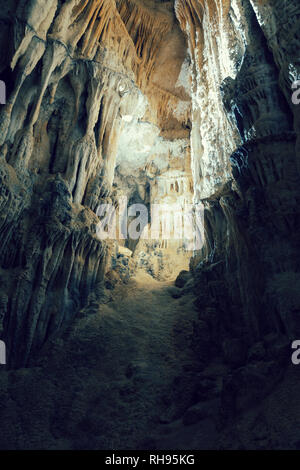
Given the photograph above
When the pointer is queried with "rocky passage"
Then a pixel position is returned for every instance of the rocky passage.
(128, 376)
(109, 384)
(187, 102)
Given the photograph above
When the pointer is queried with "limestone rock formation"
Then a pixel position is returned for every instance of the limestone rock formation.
(82, 82)
(153, 102)
(251, 214)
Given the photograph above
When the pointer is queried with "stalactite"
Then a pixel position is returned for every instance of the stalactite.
(147, 35)
(85, 69)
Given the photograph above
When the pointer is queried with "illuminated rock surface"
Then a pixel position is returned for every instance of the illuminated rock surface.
(168, 102)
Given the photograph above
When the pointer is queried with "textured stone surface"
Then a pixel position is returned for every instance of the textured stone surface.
(252, 212)
(158, 102)
(82, 100)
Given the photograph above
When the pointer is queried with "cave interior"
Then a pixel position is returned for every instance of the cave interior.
(170, 341)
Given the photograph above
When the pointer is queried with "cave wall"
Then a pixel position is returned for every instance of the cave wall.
(102, 96)
(85, 102)
(245, 160)
(113, 98)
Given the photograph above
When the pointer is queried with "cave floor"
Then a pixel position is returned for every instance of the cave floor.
(126, 377)
(143, 342)
(121, 379)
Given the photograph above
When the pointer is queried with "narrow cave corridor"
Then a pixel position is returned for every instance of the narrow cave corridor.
(149, 223)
